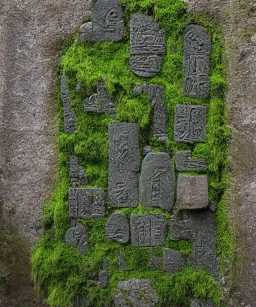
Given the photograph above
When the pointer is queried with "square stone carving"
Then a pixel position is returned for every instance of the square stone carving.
(197, 49)
(157, 181)
(124, 164)
(173, 261)
(148, 230)
(77, 236)
(192, 192)
(185, 162)
(117, 228)
(86, 203)
(181, 229)
(190, 124)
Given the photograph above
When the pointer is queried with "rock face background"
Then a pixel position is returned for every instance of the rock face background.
(30, 42)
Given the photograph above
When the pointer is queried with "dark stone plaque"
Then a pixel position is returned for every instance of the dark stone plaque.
(79, 300)
(155, 263)
(190, 124)
(192, 192)
(77, 236)
(135, 292)
(146, 65)
(196, 303)
(69, 116)
(197, 49)
(86, 203)
(157, 181)
(76, 172)
(173, 261)
(181, 229)
(100, 102)
(148, 230)
(107, 22)
(185, 162)
(124, 164)
(117, 228)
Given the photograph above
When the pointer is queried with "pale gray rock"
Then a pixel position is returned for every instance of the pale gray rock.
(117, 228)
(124, 164)
(77, 236)
(192, 192)
(185, 162)
(173, 261)
(157, 182)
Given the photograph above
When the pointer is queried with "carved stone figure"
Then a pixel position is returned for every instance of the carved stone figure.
(190, 124)
(124, 164)
(185, 162)
(157, 181)
(197, 49)
(173, 261)
(147, 45)
(117, 228)
(69, 116)
(86, 203)
(148, 230)
(192, 192)
(107, 22)
(77, 236)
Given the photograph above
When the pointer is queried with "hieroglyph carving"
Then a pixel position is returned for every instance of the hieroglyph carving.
(173, 261)
(77, 236)
(124, 164)
(117, 228)
(76, 172)
(185, 162)
(180, 229)
(197, 49)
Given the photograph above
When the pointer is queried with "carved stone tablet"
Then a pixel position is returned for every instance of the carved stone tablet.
(86, 203)
(146, 65)
(192, 192)
(148, 230)
(135, 292)
(185, 162)
(124, 163)
(196, 303)
(197, 49)
(181, 230)
(155, 263)
(79, 300)
(117, 228)
(190, 124)
(69, 116)
(157, 181)
(77, 236)
(173, 261)
(76, 172)
(107, 22)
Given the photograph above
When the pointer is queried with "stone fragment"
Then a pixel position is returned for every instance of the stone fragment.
(192, 192)
(69, 116)
(121, 261)
(100, 102)
(86, 203)
(79, 300)
(190, 124)
(173, 261)
(77, 236)
(155, 263)
(197, 49)
(147, 45)
(147, 150)
(117, 228)
(124, 164)
(196, 303)
(136, 293)
(76, 172)
(107, 22)
(148, 230)
(157, 181)
(185, 162)
(181, 229)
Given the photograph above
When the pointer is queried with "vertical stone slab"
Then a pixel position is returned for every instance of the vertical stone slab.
(190, 124)
(77, 236)
(124, 163)
(76, 172)
(117, 228)
(173, 261)
(197, 49)
(185, 162)
(157, 181)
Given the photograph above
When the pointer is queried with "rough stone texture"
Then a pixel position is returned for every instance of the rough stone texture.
(196, 303)
(76, 172)
(124, 164)
(136, 293)
(197, 49)
(79, 300)
(77, 236)
(192, 192)
(180, 229)
(117, 228)
(173, 261)
(185, 162)
(157, 181)
(155, 263)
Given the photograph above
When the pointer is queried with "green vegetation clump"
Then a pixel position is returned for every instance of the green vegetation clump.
(61, 271)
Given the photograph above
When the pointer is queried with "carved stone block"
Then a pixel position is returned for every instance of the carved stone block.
(181, 230)
(148, 230)
(197, 49)
(157, 181)
(76, 172)
(69, 116)
(136, 292)
(196, 303)
(155, 263)
(107, 22)
(117, 228)
(185, 162)
(124, 164)
(146, 65)
(173, 261)
(77, 236)
(190, 124)
(86, 203)
(192, 192)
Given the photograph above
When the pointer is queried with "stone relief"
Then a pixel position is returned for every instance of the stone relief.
(185, 162)
(76, 172)
(77, 236)
(173, 261)
(117, 228)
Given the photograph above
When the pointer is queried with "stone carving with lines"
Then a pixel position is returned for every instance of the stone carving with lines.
(173, 261)
(117, 228)
(185, 162)
(77, 236)
(76, 172)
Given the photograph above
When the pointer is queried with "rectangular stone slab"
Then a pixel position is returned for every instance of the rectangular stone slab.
(185, 162)
(124, 163)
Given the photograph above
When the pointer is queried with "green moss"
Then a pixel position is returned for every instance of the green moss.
(61, 271)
